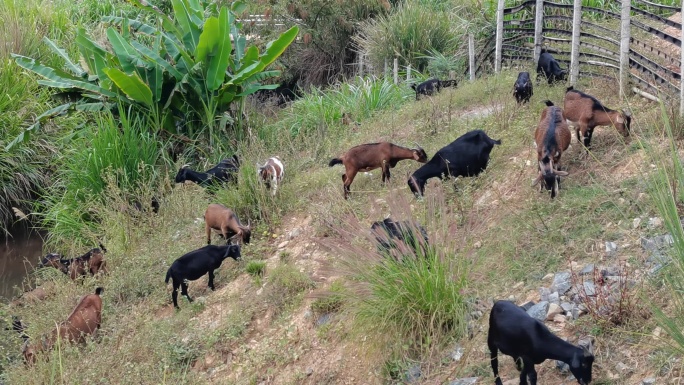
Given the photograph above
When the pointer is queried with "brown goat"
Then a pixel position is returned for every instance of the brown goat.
(84, 320)
(367, 157)
(585, 112)
(223, 219)
(552, 137)
(91, 262)
(30, 297)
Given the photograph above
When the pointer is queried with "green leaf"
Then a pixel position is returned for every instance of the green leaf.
(124, 51)
(190, 31)
(154, 56)
(276, 48)
(75, 68)
(40, 69)
(208, 39)
(131, 85)
(25, 134)
(216, 70)
(238, 7)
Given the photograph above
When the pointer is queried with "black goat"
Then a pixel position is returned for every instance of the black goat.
(530, 342)
(395, 234)
(522, 89)
(225, 171)
(193, 265)
(468, 155)
(428, 87)
(548, 67)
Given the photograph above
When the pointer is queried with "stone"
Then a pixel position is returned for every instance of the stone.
(611, 248)
(622, 368)
(589, 288)
(657, 331)
(552, 311)
(477, 244)
(648, 381)
(464, 381)
(294, 233)
(457, 353)
(413, 373)
(588, 269)
(283, 244)
(324, 319)
(527, 306)
(561, 282)
(636, 222)
(554, 298)
(567, 306)
(654, 223)
(562, 367)
(539, 310)
(559, 318)
(658, 242)
(544, 294)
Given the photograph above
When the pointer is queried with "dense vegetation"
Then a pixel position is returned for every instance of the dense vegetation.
(114, 143)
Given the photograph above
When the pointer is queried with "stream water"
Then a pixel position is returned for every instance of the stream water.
(18, 254)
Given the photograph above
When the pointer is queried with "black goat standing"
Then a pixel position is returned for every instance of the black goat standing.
(548, 67)
(530, 342)
(195, 264)
(522, 89)
(428, 87)
(225, 171)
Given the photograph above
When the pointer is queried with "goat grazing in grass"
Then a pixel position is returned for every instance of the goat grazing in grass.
(585, 112)
(548, 67)
(84, 320)
(367, 157)
(272, 171)
(225, 171)
(522, 89)
(399, 235)
(529, 342)
(91, 262)
(195, 264)
(223, 219)
(427, 88)
(468, 155)
(552, 137)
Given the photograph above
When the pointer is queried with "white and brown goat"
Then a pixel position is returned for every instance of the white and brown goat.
(271, 172)
(223, 219)
(585, 112)
(552, 137)
(367, 157)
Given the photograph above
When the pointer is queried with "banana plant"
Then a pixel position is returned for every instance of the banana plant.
(189, 68)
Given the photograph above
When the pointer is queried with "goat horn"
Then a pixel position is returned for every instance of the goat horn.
(537, 180)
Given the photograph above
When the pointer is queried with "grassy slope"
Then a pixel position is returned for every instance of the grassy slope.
(262, 329)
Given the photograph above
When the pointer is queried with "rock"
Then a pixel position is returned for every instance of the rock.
(294, 233)
(324, 319)
(413, 373)
(589, 288)
(283, 244)
(648, 381)
(588, 269)
(552, 311)
(561, 282)
(309, 371)
(562, 367)
(464, 381)
(559, 318)
(554, 298)
(544, 294)
(636, 222)
(477, 244)
(657, 331)
(477, 314)
(655, 243)
(654, 223)
(457, 353)
(527, 305)
(622, 368)
(539, 310)
(567, 306)
(611, 248)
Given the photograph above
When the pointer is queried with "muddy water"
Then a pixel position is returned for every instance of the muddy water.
(18, 254)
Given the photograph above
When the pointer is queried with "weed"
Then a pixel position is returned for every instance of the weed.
(256, 268)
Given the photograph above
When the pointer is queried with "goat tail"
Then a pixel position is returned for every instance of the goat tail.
(168, 276)
(99, 291)
(334, 161)
(569, 88)
(548, 103)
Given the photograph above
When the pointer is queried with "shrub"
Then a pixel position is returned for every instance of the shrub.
(256, 268)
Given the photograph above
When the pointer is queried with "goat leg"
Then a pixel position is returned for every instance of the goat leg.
(494, 351)
(184, 290)
(211, 280)
(528, 366)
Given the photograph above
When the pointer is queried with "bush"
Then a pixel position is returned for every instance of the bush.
(256, 268)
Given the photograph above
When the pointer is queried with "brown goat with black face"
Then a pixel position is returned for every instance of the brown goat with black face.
(552, 137)
(585, 112)
(84, 320)
(367, 157)
(223, 219)
(91, 262)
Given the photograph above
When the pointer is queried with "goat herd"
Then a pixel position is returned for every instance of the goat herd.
(511, 330)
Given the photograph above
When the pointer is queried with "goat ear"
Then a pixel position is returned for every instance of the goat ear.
(562, 173)
(185, 165)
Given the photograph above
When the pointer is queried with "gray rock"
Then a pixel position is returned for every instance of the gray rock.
(648, 381)
(656, 243)
(457, 353)
(464, 381)
(561, 282)
(527, 305)
(562, 367)
(294, 233)
(654, 223)
(589, 288)
(554, 298)
(413, 373)
(309, 371)
(477, 314)
(588, 269)
(324, 319)
(539, 310)
(611, 248)
(567, 306)
(544, 294)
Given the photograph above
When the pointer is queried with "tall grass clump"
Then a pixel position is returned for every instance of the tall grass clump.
(121, 147)
(667, 190)
(411, 302)
(408, 33)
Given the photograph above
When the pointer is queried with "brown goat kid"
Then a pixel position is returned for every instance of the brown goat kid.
(585, 112)
(223, 219)
(552, 137)
(84, 320)
(367, 157)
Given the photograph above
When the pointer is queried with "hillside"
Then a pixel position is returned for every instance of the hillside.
(291, 325)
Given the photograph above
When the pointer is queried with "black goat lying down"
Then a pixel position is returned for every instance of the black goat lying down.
(225, 171)
(193, 265)
(529, 342)
(399, 235)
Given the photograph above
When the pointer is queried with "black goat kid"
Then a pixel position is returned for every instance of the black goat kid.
(195, 264)
(526, 339)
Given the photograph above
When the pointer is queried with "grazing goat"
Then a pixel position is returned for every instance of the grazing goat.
(522, 89)
(548, 67)
(399, 235)
(428, 87)
(30, 297)
(552, 137)
(529, 342)
(195, 264)
(84, 320)
(468, 155)
(92, 261)
(585, 112)
(55, 260)
(272, 171)
(367, 157)
(223, 219)
(225, 171)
